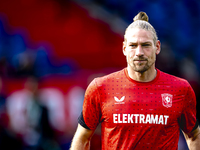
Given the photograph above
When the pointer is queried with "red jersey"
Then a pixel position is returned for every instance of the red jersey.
(140, 115)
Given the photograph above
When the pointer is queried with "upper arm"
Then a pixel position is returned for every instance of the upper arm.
(92, 106)
(83, 133)
(81, 138)
(187, 120)
(193, 139)
(193, 134)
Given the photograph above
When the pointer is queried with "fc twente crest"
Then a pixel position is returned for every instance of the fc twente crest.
(167, 100)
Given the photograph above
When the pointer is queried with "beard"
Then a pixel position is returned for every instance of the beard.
(142, 66)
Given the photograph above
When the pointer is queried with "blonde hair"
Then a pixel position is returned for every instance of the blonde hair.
(141, 21)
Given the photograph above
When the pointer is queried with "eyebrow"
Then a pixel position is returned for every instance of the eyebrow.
(148, 42)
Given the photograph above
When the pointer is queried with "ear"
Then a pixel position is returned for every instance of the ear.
(124, 48)
(158, 47)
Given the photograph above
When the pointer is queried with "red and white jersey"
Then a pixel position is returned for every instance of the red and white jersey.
(140, 115)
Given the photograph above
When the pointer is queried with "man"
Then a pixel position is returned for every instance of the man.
(139, 107)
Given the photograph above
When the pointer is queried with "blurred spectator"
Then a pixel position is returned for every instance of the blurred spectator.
(8, 140)
(29, 118)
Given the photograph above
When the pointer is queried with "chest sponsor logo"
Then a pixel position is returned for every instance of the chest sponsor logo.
(119, 101)
(167, 100)
(140, 118)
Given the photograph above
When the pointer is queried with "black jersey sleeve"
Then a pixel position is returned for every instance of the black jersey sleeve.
(82, 122)
(196, 125)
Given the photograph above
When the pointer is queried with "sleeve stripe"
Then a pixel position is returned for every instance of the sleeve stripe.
(82, 122)
(196, 125)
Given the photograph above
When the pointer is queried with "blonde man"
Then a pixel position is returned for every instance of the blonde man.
(139, 107)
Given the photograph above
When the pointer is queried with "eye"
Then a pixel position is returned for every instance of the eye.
(146, 44)
(133, 45)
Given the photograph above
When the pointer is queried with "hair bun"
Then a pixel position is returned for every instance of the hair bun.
(141, 16)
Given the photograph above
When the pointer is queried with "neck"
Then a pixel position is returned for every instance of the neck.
(146, 76)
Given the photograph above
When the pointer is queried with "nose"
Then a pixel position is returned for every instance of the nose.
(139, 51)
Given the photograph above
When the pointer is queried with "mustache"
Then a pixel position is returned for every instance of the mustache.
(140, 59)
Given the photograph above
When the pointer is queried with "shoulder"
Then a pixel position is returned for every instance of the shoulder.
(105, 81)
(112, 77)
(171, 79)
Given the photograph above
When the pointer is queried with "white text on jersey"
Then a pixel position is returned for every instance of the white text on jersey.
(140, 118)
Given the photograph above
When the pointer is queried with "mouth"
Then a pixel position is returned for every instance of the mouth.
(142, 59)
(139, 61)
